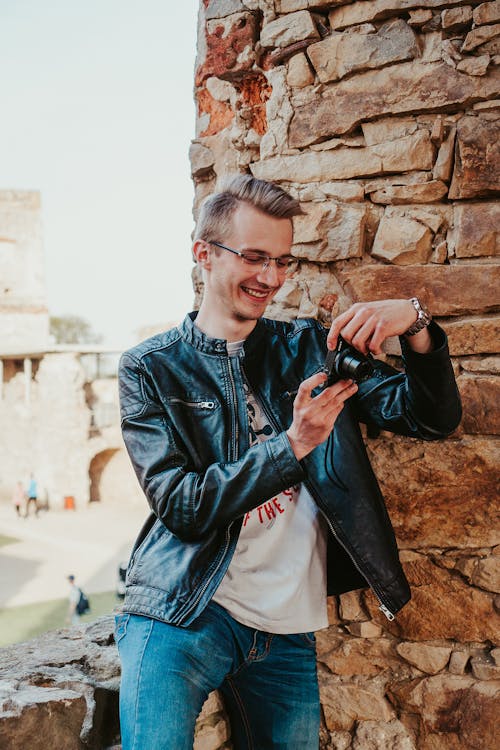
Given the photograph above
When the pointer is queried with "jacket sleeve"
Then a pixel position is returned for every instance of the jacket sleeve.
(422, 402)
(193, 504)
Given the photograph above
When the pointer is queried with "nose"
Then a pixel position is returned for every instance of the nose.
(270, 274)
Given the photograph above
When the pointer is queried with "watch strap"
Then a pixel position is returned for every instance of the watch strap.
(423, 318)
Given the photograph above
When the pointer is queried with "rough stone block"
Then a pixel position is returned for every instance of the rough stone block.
(487, 13)
(229, 47)
(366, 629)
(201, 158)
(346, 233)
(477, 158)
(486, 574)
(429, 659)
(481, 404)
(413, 152)
(214, 115)
(290, 6)
(397, 89)
(449, 290)
(489, 365)
(479, 36)
(350, 607)
(403, 241)
(351, 657)
(473, 335)
(441, 607)
(453, 19)
(474, 66)
(426, 192)
(377, 735)
(444, 161)
(476, 229)
(288, 29)
(299, 72)
(455, 712)
(345, 704)
(455, 473)
(42, 717)
(458, 662)
(375, 10)
(419, 17)
(388, 129)
(341, 54)
(484, 668)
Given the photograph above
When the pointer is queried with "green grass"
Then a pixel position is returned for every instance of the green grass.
(5, 540)
(22, 623)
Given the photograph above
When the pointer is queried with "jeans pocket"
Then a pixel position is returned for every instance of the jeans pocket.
(121, 622)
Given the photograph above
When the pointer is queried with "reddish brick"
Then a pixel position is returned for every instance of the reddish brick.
(220, 113)
(255, 91)
(224, 47)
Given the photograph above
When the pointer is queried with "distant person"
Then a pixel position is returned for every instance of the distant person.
(18, 497)
(78, 602)
(32, 496)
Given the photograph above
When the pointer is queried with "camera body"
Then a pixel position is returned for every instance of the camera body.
(347, 363)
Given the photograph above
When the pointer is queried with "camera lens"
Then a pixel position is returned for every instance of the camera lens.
(348, 365)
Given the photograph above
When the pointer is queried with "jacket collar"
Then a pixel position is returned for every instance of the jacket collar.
(199, 340)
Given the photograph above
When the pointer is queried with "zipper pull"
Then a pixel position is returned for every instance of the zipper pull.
(386, 612)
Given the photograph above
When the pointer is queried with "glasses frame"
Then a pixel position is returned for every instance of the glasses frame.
(266, 259)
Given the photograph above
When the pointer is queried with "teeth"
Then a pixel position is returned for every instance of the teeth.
(252, 293)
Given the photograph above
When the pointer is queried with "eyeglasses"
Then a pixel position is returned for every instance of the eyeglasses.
(284, 263)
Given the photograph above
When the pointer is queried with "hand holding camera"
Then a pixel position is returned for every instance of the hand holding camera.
(366, 325)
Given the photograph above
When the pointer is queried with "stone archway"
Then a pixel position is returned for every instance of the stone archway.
(97, 468)
(112, 479)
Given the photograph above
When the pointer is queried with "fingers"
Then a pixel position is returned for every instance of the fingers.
(366, 325)
(308, 385)
(339, 391)
(337, 326)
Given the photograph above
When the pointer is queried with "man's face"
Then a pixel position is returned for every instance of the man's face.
(231, 285)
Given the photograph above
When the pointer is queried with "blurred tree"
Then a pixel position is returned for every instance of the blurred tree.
(71, 329)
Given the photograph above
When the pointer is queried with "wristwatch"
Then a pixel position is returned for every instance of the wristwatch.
(423, 318)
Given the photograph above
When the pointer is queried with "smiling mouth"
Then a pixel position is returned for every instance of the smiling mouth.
(258, 295)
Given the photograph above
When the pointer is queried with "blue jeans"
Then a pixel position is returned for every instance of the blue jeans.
(268, 683)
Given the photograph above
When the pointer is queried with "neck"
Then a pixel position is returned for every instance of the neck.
(222, 327)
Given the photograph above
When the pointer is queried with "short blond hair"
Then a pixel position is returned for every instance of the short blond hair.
(216, 212)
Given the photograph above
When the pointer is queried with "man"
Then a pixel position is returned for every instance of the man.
(73, 616)
(32, 496)
(262, 496)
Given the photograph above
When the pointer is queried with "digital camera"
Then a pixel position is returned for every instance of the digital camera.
(347, 363)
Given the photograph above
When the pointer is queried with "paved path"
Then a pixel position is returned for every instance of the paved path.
(89, 542)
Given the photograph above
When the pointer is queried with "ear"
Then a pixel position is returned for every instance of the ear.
(201, 253)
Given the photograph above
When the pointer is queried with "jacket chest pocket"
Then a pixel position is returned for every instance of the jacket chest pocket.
(198, 422)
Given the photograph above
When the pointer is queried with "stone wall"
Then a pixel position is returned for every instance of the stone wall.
(382, 117)
(60, 691)
(23, 304)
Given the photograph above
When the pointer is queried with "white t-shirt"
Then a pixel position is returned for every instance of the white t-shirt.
(276, 581)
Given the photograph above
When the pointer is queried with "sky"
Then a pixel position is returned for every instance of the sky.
(98, 114)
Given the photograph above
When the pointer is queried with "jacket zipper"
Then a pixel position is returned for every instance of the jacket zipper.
(382, 607)
(375, 588)
(234, 415)
(233, 454)
(199, 404)
(209, 580)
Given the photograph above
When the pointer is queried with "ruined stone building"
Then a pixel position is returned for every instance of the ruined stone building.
(58, 404)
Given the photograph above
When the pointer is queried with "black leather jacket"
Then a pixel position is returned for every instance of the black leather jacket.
(184, 422)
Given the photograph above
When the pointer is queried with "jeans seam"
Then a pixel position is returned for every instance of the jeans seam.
(138, 687)
(241, 707)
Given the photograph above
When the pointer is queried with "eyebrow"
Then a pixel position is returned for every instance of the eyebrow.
(263, 252)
